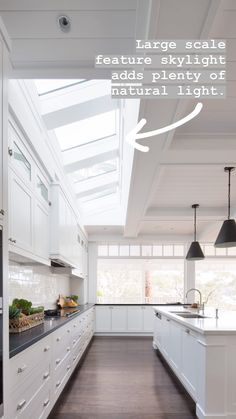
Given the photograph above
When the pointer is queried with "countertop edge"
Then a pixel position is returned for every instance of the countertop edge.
(185, 322)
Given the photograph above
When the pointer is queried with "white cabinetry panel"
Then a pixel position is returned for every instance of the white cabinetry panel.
(21, 214)
(118, 319)
(124, 319)
(135, 319)
(41, 237)
(103, 319)
(148, 319)
(189, 360)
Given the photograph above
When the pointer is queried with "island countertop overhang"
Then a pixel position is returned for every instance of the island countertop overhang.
(208, 325)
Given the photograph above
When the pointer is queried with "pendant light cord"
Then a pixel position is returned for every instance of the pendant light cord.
(195, 224)
(229, 196)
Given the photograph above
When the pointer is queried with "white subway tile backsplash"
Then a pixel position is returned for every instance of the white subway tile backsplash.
(37, 283)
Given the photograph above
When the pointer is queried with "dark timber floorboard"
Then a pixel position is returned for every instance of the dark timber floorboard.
(123, 378)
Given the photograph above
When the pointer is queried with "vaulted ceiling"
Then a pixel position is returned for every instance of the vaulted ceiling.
(184, 166)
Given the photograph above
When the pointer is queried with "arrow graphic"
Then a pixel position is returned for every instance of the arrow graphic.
(133, 135)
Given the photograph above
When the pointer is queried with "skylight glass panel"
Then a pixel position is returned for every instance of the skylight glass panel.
(48, 86)
(98, 169)
(100, 194)
(86, 130)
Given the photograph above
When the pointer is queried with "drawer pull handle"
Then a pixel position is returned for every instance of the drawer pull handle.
(59, 338)
(168, 320)
(187, 331)
(21, 404)
(74, 358)
(58, 361)
(68, 368)
(46, 402)
(58, 383)
(68, 330)
(21, 369)
(75, 325)
(46, 349)
(46, 375)
(68, 349)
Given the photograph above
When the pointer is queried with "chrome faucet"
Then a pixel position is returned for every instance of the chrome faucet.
(200, 294)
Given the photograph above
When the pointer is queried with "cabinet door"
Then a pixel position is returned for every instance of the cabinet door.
(21, 223)
(189, 360)
(41, 231)
(158, 330)
(135, 319)
(119, 319)
(148, 319)
(175, 349)
(166, 336)
(103, 319)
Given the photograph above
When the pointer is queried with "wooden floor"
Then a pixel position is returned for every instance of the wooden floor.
(123, 378)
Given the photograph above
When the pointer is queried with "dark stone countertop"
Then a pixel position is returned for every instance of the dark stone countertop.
(149, 304)
(20, 341)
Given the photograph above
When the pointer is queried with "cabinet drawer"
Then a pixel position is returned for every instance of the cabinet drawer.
(27, 364)
(61, 374)
(37, 407)
(22, 396)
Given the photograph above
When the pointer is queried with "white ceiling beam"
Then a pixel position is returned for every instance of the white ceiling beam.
(146, 168)
(198, 157)
(80, 111)
(163, 214)
(81, 164)
(95, 190)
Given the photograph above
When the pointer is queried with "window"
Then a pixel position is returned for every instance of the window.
(217, 278)
(139, 281)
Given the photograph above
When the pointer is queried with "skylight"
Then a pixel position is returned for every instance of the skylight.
(86, 130)
(93, 171)
(86, 123)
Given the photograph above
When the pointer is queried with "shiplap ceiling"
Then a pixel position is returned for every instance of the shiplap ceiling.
(184, 166)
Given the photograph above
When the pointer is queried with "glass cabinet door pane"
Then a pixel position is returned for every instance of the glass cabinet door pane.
(43, 190)
(21, 161)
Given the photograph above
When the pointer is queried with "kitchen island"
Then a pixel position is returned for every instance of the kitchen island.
(201, 350)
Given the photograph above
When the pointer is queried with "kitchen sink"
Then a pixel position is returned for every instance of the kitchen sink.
(190, 315)
(181, 312)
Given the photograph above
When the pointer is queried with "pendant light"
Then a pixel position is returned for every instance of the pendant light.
(227, 234)
(195, 252)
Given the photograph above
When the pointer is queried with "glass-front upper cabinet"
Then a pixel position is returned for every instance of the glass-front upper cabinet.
(42, 189)
(21, 162)
(20, 159)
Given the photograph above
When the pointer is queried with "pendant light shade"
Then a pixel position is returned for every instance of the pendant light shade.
(227, 233)
(195, 252)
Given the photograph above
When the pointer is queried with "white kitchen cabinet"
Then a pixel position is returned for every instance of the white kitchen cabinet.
(124, 319)
(118, 319)
(135, 319)
(28, 203)
(189, 360)
(38, 374)
(21, 215)
(166, 336)
(103, 319)
(175, 347)
(148, 319)
(157, 337)
(65, 240)
(41, 230)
